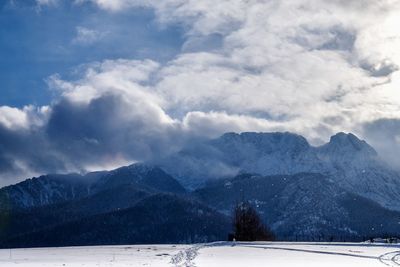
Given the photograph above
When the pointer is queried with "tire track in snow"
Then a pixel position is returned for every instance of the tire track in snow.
(390, 258)
(311, 251)
(185, 258)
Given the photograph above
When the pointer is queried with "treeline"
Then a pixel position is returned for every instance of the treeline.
(248, 226)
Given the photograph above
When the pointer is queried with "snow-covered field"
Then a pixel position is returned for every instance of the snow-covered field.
(269, 254)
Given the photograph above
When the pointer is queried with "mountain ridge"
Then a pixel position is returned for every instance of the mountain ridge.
(351, 162)
(301, 191)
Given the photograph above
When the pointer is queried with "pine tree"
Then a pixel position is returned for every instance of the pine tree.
(248, 225)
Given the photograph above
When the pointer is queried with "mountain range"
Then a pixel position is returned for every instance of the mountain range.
(337, 191)
(350, 162)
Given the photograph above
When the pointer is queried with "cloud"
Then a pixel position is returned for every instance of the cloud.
(41, 3)
(22, 119)
(85, 36)
(314, 68)
(26, 152)
(106, 118)
(281, 60)
(13, 117)
(384, 135)
(47, 2)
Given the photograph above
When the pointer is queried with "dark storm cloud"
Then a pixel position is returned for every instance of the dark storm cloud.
(77, 137)
(26, 151)
(107, 126)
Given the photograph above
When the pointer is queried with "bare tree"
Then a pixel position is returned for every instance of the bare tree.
(248, 225)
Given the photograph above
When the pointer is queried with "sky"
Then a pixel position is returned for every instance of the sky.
(96, 84)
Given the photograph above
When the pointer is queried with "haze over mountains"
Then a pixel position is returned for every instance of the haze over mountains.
(347, 160)
(301, 191)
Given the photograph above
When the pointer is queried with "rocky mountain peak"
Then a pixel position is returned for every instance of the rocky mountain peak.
(348, 143)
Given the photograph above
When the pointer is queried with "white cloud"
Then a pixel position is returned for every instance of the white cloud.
(214, 124)
(13, 117)
(302, 62)
(23, 119)
(86, 36)
(312, 67)
(47, 2)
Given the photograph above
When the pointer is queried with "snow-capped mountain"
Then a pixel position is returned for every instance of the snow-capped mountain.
(347, 160)
(338, 189)
(147, 176)
(45, 190)
(54, 189)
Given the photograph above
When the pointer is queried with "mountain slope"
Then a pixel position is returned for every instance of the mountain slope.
(45, 190)
(302, 206)
(55, 189)
(142, 175)
(161, 218)
(111, 191)
(35, 219)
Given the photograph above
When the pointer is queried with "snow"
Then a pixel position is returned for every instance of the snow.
(291, 254)
(350, 162)
(121, 256)
(272, 254)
